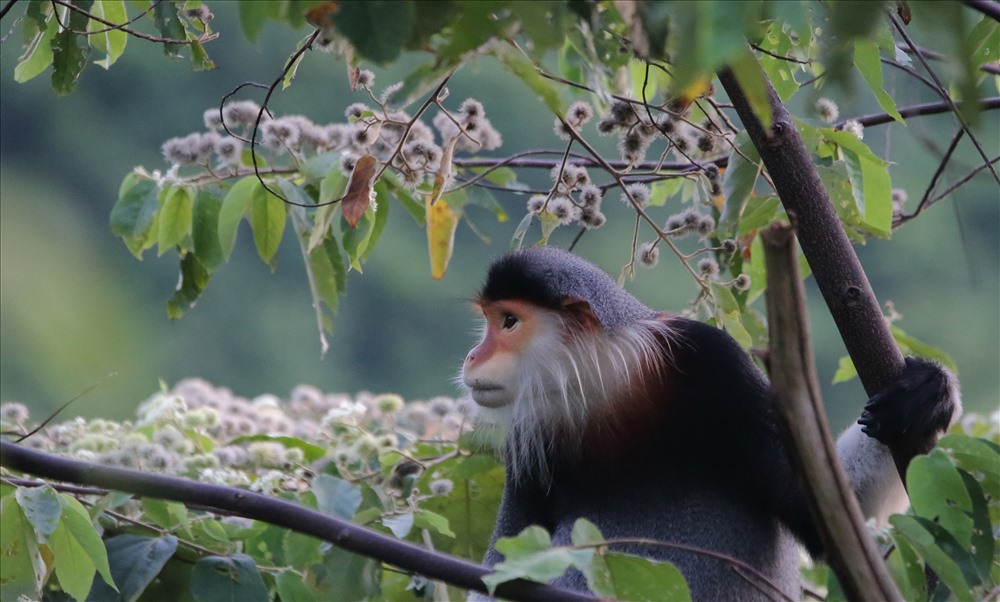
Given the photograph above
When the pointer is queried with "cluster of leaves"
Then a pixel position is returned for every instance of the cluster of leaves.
(404, 469)
(63, 33)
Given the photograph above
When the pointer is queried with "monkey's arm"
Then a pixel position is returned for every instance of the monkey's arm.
(903, 421)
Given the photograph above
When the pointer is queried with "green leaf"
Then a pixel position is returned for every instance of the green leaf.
(329, 274)
(532, 539)
(169, 515)
(205, 229)
(77, 550)
(845, 370)
(738, 182)
(227, 579)
(175, 217)
(976, 456)
(253, 15)
(136, 208)
(200, 60)
(194, 278)
(525, 70)
(42, 508)
(69, 52)
(415, 207)
(625, 577)
(23, 570)
(868, 62)
(310, 451)
(292, 70)
(378, 29)
(38, 54)
(703, 37)
(302, 550)
(110, 41)
(937, 492)
(953, 563)
(522, 229)
(585, 533)
(80, 527)
(912, 346)
(235, 207)
(530, 556)
(336, 497)
(135, 562)
(291, 587)
(399, 524)
(781, 72)
(267, 218)
(170, 26)
(750, 77)
(759, 212)
(425, 519)
(984, 39)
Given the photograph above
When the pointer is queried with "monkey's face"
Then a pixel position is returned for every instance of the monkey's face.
(492, 369)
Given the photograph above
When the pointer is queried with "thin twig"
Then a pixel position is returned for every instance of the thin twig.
(944, 93)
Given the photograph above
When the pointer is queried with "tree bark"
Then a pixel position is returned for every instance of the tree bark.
(834, 264)
(849, 549)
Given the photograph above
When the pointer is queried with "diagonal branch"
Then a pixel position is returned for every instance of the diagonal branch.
(343, 534)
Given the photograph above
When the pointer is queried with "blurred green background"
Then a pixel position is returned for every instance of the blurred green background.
(75, 306)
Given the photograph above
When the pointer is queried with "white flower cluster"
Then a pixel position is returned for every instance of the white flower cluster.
(209, 433)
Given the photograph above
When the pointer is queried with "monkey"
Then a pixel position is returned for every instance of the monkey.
(655, 426)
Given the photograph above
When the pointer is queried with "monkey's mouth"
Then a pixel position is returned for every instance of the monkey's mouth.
(488, 395)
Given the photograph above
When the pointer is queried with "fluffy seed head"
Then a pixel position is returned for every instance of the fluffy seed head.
(827, 110)
(742, 282)
(648, 254)
(708, 267)
(640, 193)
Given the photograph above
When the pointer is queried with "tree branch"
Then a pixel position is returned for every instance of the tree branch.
(850, 551)
(838, 272)
(340, 533)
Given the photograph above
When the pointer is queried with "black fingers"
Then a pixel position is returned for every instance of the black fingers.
(911, 412)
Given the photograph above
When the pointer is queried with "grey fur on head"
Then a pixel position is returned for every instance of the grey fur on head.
(548, 276)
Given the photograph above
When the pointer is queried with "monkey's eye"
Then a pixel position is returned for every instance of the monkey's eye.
(509, 321)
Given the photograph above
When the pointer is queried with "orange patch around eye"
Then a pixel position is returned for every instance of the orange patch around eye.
(510, 340)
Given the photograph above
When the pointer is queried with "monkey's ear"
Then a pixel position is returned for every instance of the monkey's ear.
(580, 311)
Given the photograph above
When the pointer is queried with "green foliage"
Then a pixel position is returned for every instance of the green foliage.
(395, 467)
(648, 69)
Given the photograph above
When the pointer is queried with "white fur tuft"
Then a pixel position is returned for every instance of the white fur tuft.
(561, 384)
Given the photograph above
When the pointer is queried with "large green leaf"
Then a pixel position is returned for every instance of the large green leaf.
(267, 218)
(42, 508)
(227, 579)
(234, 208)
(77, 550)
(194, 278)
(625, 577)
(869, 63)
(378, 29)
(110, 41)
(135, 562)
(525, 70)
(23, 570)
(38, 55)
(205, 229)
(176, 213)
(169, 25)
(70, 51)
(336, 497)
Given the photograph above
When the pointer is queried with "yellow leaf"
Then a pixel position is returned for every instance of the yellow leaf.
(442, 221)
